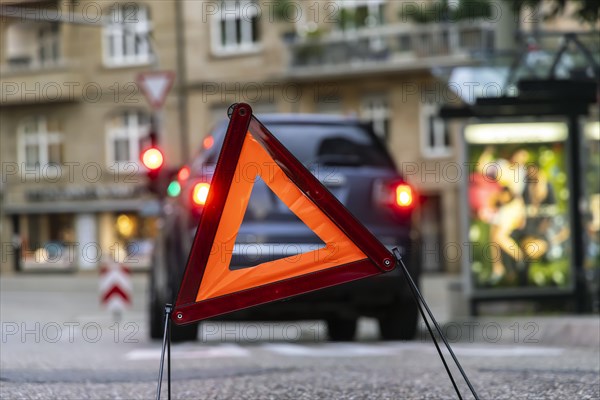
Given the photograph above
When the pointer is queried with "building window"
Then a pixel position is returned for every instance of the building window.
(375, 109)
(127, 36)
(39, 143)
(235, 28)
(357, 14)
(435, 136)
(125, 131)
(48, 44)
(33, 45)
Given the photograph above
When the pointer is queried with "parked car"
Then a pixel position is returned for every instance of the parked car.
(355, 166)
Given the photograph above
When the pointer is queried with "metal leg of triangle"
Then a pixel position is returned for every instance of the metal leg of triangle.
(421, 303)
(166, 344)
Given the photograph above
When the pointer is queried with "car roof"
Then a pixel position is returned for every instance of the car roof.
(280, 118)
(307, 118)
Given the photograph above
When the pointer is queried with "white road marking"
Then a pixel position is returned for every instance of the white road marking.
(479, 349)
(507, 351)
(200, 351)
(190, 352)
(396, 348)
(327, 350)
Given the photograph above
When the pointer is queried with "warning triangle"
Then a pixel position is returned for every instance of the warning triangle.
(210, 287)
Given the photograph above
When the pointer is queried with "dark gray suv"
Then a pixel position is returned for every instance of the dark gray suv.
(354, 165)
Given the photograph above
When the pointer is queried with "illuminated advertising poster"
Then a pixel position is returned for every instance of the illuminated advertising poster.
(591, 212)
(518, 224)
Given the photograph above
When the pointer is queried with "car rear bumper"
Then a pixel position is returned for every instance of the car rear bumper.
(250, 254)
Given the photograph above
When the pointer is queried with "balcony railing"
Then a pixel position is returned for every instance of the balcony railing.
(24, 66)
(35, 83)
(389, 46)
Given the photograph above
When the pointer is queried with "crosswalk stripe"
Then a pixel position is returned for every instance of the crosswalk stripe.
(506, 351)
(326, 350)
(190, 352)
(224, 350)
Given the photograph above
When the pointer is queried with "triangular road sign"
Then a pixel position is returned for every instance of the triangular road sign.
(155, 85)
(211, 288)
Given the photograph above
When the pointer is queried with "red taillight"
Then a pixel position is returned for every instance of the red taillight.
(200, 193)
(404, 195)
(152, 158)
(208, 142)
(395, 194)
(183, 174)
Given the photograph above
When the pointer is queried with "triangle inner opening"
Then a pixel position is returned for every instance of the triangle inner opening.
(270, 231)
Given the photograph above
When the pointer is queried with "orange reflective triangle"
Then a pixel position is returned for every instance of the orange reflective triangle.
(219, 280)
(210, 287)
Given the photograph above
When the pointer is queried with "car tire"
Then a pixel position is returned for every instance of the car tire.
(400, 321)
(156, 309)
(185, 333)
(156, 318)
(341, 329)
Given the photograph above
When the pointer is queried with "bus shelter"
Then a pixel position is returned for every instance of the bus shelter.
(531, 209)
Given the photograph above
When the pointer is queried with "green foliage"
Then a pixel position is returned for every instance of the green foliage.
(585, 10)
(345, 16)
(441, 11)
(472, 9)
(280, 10)
(312, 48)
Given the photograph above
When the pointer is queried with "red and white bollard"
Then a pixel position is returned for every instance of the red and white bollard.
(115, 287)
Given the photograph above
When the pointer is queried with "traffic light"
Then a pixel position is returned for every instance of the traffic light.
(174, 188)
(153, 160)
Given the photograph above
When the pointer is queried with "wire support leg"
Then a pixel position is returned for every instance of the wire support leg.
(422, 303)
(165, 344)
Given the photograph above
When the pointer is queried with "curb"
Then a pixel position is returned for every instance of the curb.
(567, 331)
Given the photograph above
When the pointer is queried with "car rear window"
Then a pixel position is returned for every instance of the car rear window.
(328, 144)
(331, 144)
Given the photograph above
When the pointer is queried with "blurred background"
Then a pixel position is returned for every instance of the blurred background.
(445, 84)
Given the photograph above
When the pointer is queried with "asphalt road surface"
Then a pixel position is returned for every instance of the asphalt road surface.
(57, 343)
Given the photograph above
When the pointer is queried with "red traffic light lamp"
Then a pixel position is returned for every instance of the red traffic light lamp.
(153, 159)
